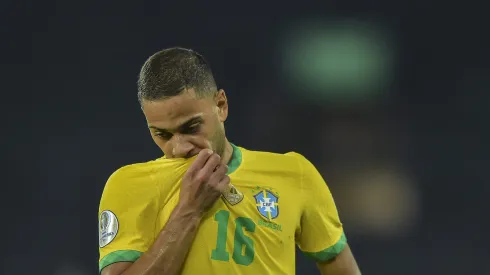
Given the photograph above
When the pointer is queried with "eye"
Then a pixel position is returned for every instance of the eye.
(166, 136)
(194, 128)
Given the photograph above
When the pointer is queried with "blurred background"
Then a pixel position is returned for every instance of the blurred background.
(388, 99)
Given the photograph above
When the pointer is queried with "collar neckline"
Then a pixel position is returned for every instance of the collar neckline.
(236, 159)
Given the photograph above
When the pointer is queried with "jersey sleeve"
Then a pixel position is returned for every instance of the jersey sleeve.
(321, 235)
(127, 214)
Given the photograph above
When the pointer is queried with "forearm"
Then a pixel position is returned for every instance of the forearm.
(169, 251)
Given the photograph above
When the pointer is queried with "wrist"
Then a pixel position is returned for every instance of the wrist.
(188, 212)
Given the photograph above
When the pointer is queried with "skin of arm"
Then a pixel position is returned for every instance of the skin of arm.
(343, 264)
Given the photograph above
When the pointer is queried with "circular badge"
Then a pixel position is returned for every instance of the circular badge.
(108, 227)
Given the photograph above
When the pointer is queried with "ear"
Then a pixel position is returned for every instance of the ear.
(222, 105)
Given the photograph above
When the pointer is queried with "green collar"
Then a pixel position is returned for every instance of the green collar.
(236, 159)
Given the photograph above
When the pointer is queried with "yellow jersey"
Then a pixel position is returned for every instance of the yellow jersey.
(278, 201)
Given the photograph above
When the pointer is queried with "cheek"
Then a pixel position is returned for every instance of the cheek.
(210, 128)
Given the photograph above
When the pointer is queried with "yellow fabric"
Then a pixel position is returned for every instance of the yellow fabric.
(232, 239)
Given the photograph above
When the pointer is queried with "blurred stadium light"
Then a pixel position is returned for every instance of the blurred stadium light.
(386, 200)
(341, 61)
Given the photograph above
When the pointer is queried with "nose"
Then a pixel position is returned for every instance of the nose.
(181, 148)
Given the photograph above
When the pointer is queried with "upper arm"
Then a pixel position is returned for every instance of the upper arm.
(320, 235)
(343, 264)
(127, 215)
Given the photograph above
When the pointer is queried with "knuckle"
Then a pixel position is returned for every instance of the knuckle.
(217, 181)
(187, 179)
(225, 169)
(215, 187)
(220, 171)
(215, 158)
(202, 176)
(223, 186)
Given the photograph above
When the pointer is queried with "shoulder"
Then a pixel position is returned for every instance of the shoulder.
(289, 157)
(292, 162)
(143, 178)
(124, 184)
(146, 172)
(131, 173)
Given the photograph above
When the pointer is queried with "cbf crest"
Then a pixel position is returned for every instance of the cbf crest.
(268, 204)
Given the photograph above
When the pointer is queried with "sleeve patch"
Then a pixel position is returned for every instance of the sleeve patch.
(108, 227)
(119, 256)
(329, 253)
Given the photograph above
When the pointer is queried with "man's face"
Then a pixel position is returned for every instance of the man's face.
(183, 125)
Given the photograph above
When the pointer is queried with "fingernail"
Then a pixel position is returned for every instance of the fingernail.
(209, 151)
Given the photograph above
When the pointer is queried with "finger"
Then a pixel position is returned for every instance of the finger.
(218, 174)
(205, 173)
(199, 162)
(224, 184)
(211, 165)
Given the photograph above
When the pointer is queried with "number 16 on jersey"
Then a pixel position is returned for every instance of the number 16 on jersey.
(243, 246)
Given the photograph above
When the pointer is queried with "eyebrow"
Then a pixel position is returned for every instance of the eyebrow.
(187, 123)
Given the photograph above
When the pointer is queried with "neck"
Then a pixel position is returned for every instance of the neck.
(228, 153)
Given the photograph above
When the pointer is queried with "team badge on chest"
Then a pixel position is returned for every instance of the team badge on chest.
(233, 196)
(268, 204)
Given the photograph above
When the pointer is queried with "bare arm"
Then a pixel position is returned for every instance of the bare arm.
(343, 264)
(201, 187)
(167, 254)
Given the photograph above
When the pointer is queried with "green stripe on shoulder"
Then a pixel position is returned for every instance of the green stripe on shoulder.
(329, 253)
(119, 256)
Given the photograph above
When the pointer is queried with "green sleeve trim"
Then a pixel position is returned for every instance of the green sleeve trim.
(329, 253)
(119, 256)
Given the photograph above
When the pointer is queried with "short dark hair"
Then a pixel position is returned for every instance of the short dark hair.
(170, 71)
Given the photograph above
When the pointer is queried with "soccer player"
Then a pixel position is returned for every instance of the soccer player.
(209, 206)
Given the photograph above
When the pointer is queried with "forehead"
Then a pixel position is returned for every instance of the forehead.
(171, 112)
